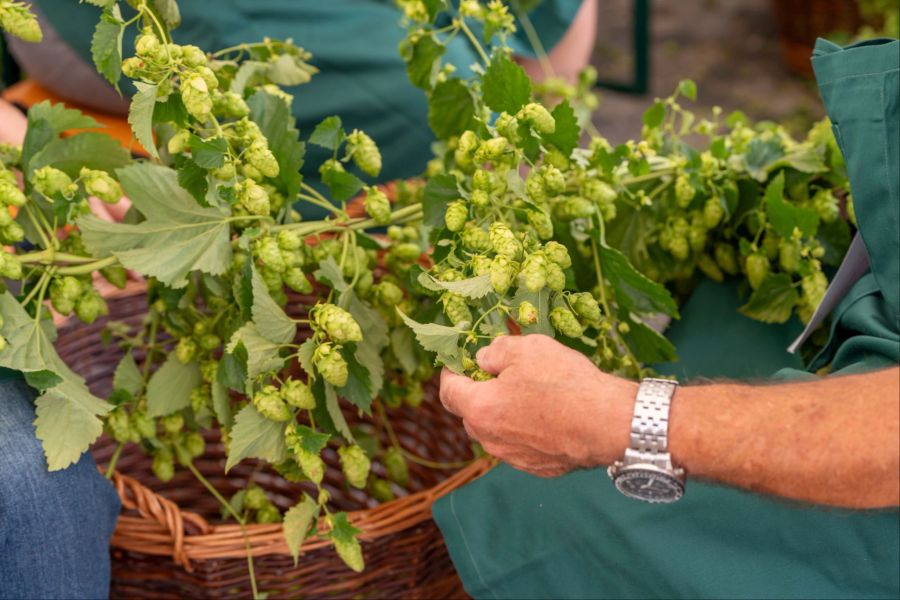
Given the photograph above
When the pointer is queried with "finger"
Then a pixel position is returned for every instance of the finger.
(117, 211)
(100, 209)
(501, 354)
(457, 392)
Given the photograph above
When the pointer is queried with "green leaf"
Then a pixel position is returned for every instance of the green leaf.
(474, 287)
(421, 59)
(208, 153)
(440, 339)
(312, 441)
(262, 354)
(328, 134)
(439, 192)
(193, 178)
(803, 158)
(297, 522)
(140, 116)
(760, 154)
(270, 320)
(358, 390)
(168, 12)
(171, 110)
(541, 301)
(330, 274)
(60, 118)
(65, 426)
(451, 109)
(169, 389)
(305, 355)
(106, 44)
(634, 292)
(342, 530)
(567, 133)
(249, 71)
(88, 149)
(232, 371)
(277, 123)
(334, 411)
(688, 89)
(655, 115)
(42, 380)
(254, 436)
(402, 345)
(127, 376)
(221, 402)
(368, 351)
(784, 216)
(773, 301)
(341, 184)
(289, 70)
(646, 343)
(177, 238)
(505, 85)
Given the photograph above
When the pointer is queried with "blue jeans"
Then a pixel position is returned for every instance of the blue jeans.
(54, 527)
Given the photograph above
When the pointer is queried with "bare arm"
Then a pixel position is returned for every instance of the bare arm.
(573, 52)
(834, 441)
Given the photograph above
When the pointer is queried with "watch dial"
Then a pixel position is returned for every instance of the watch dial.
(649, 486)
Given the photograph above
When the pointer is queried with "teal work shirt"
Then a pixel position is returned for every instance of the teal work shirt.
(512, 535)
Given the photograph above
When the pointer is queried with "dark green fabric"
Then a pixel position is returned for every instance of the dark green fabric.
(512, 535)
(8, 374)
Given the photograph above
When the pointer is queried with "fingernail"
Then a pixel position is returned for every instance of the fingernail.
(479, 356)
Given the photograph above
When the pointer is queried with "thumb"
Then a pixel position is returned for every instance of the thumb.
(502, 353)
(457, 392)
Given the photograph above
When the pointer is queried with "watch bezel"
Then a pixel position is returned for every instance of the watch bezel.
(623, 473)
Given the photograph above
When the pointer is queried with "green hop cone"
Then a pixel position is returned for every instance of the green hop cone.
(598, 191)
(456, 309)
(186, 350)
(713, 212)
(508, 126)
(480, 198)
(481, 264)
(558, 254)
(388, 293)
(697, 237)
(163, 465)
(573, 207)
(17, 19)
(789, 255)
(270, 405)
(355, 465)
(351, 553)
(380, 489)
(538, 116)
(503, 241)
(565, 322)
(814, 286)
(826, 205)
(179, 142)
(173, 423)
(407, 252)
(268, 252)
(554, 180)
(684, 191)
(757, 267)
(11, 195)
(527, 314)
(493, 149)
(543, 225)
(101, 185)
(708, 267)
(475, 239)
(338, 324)
(679, 247)
(364, 152)
(195, 96)
(119, 426)
(482, 180)
(253, 197)
(90, 306)
(297, 280)
(288, 239)
(229, 104)
(116, 275)
(726, 258)
(556, 278)
(200, 398)
(503, 271)
(534, 272)
(144, 425)
(50, 182)
(260, 157)
(268, 514)
(331, 365)
(378, 206)
(255, 498)
(534, 186)
(12, 234)
(396, 466)
(312, 464)
(194, 443)
(297, 394)
(585, 306)
(456, 215)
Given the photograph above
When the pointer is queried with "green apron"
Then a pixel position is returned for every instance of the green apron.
(512, 535)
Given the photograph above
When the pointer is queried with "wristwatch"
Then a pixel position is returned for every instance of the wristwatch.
(646, 472)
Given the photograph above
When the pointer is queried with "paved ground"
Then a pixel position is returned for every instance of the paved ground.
(729, 47)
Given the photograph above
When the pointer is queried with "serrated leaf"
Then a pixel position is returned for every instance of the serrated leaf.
(246, 73)
(421, 59)
(254, 436)
(342, 530)
(402, 345)
(140, 116)
(655, 115)
(368, 351)
(439, 192)
(760, 154)
(451, 109)
(106, 44)
(221, 402)
(341, 184)
(646, 343)
(168, 11)
(334, 412)
(177, 238)
(474, 287)
(305, 355)
(358, 390)
(328, 134)
(288, 70)
(297, 522)
(330, 274)
(193, 178)
(277, 123)
(127, 376)
(88, 149)
(262, 354)
(803, 158)
(567, 132)
(208, 153)
(171, 110)
(440, 339)
(65, 427)
(169, 389)
(60, 118)
(232, 371)
(773, 301)
(505, 85)
(688, 89)
(270, 320)
(42, 380)
(634, 292)
(784, 216)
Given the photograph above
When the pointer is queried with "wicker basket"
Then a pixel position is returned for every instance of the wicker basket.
(170, 541)
(800, 22)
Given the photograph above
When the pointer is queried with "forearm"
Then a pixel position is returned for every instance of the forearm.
(573, 52)
(835, 441)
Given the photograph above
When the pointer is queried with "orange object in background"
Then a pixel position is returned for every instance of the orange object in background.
(27, 93)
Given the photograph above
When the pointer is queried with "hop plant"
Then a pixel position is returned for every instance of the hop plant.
(17, 19)
(378, 206)
(355, 465)
(195, 96)
(297, 394)
(456, 215)
(527, 314)
(565, 322)
(364, 152)
(538, 116)
(331, 365)
(268, 401)
(337, 323)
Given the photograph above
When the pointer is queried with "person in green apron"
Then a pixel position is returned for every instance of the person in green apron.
(794, 490)
(55, 527)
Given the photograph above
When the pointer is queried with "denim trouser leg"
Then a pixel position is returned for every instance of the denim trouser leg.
(54, 527)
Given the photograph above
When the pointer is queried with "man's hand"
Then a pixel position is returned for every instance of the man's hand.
(550, 410)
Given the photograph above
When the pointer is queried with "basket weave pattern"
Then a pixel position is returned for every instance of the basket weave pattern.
(171, 541)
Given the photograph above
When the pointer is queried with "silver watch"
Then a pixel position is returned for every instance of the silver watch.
(646, 472)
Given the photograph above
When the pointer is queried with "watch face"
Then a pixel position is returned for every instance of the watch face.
(649, 485)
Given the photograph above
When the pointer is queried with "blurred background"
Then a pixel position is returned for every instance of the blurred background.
(746, 54)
